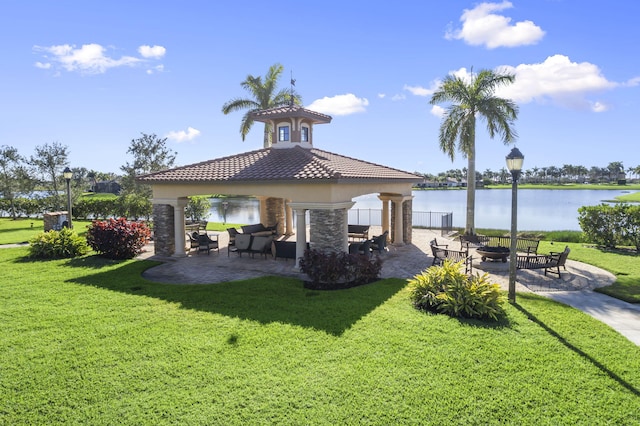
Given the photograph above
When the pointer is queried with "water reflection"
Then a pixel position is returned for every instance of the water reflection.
(238, 210)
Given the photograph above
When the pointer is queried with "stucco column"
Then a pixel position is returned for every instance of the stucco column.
(401, 221)
(288, 219)
(385, 213)
(301, 235)
(263, 208)
(178, 224)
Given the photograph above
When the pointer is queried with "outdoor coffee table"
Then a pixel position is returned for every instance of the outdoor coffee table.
(493, 253)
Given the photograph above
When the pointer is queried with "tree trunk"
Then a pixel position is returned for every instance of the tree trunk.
(267, 136)
(471, 187)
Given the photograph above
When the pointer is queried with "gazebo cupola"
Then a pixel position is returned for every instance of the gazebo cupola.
(291, 125)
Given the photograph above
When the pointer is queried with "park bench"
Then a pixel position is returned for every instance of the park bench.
(549, 262)
(442, 252)
(523, 245)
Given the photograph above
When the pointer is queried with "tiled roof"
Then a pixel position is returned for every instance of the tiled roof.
(290, 111)
(290, 164)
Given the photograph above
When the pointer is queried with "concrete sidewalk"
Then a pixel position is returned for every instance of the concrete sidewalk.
(622, 316)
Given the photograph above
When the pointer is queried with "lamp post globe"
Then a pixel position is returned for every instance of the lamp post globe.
(514, 160)
(68, 174)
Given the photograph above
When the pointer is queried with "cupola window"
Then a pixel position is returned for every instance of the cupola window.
(304, 136)
(283, 134)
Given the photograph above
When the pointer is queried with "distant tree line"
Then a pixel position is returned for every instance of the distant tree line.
(545, 175)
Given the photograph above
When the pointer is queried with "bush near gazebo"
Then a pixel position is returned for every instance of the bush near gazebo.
(446, 289)
(57, 245)
(331, 270)
(118, 238)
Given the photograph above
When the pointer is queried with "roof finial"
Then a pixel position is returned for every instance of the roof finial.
(293, 83)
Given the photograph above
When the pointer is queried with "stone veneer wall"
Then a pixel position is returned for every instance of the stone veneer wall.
(392, 229)
(275, 213)
(53, 220)
(407, 218)
(407, 226)
(164, 238)
(328, 229)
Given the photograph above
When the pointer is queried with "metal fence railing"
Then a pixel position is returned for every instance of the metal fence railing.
(431, 220)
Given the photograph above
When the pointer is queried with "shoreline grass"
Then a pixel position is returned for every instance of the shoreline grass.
(89, 340)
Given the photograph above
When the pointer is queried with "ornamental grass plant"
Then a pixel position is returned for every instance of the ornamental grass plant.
(446, 289)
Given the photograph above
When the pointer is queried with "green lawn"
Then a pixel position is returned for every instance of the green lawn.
(22, 230)
(88, 341)
(634, 197)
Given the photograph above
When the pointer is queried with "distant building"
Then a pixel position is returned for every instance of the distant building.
(107, 187)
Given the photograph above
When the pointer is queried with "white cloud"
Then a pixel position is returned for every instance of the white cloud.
(633, 82)
(599, 107)
(182, 136)
(91, 58)
(381, 95)
(422, 91)
(399, 97)
(438, 111)
(157, 68)
(155, 52)
(480, 26)
(340, 104)
(559, 80)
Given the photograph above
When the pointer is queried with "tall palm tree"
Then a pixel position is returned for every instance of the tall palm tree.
(470, 100)
(264, 95)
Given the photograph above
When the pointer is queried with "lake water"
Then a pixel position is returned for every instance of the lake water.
(538, 209)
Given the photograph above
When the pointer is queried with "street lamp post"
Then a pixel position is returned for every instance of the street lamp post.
(68, 174)
(514, 164)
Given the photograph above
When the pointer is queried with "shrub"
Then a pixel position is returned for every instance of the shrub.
(118, 238)
(448, 290)
(611, 226)
(329, 270)
(57, 244)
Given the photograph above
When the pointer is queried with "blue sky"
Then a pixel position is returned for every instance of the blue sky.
(94, 75)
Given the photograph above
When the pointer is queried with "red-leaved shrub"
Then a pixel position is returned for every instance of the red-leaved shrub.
(117, 238)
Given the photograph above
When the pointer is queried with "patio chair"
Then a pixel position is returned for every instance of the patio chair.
(243, 244)
(192, 238)
(380, 242)
(363, 248)
(205, 243)
(261, 245)
(232, 239)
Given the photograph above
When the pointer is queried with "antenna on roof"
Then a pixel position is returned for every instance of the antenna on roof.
(293, 83)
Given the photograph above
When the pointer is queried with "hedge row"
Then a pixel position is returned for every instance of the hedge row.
(611, 225)
(130, 206)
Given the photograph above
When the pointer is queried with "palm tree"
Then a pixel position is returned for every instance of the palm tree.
(264, 96)
(470, 100)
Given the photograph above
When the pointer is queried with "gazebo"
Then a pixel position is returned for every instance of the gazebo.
(290, 177)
